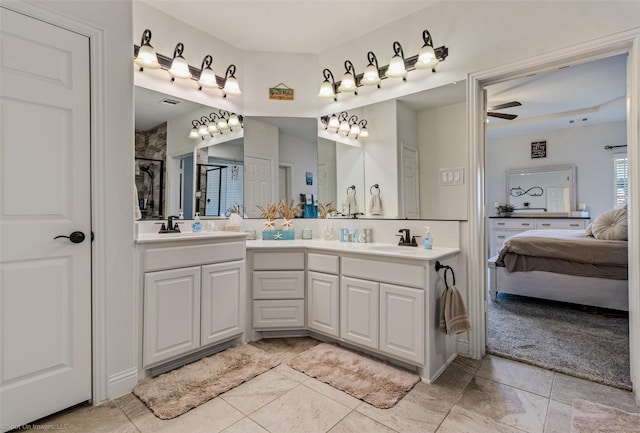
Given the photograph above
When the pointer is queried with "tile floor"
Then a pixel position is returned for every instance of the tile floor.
(491, 395)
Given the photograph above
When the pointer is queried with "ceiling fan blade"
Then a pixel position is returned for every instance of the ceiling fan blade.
(505, 105)
(502, 115)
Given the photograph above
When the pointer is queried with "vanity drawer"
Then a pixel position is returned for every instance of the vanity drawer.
(575, 224)
(278, 284)
(395, 273)
(323, 263)
(278, 314)
(278, 261)
(156, 259)
(514, 223)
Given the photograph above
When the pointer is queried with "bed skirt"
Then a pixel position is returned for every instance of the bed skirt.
(597, 292)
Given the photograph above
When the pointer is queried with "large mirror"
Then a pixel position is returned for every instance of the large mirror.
(176, 174)
(542, 189)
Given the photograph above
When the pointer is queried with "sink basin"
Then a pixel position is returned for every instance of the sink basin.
(396, 249)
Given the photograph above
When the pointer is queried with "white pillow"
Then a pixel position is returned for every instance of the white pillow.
(611, 225)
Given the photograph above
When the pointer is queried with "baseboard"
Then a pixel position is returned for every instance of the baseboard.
(122, 383)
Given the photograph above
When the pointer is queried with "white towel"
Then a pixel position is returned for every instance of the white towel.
(350, 206)
(453, 317)
(375, 204)
(136, 204)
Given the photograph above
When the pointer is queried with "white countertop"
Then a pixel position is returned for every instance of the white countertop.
(144, 238)
(374, 249)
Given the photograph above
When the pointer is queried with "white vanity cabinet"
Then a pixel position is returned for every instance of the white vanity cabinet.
(277, 284)
(383, 306)
(323, 293)
(192, 296)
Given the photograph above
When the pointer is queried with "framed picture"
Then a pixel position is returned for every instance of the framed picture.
(309, 177)
(538, 149)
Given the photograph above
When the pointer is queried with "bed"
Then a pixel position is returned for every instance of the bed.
(563, 265)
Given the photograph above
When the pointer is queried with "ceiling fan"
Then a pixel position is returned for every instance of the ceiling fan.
(491, 110)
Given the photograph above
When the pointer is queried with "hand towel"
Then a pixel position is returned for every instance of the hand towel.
(375, 204)
(350, 206)
(137, 214)
(453, 318)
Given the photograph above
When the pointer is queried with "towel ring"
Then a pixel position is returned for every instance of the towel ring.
(375, 185)
(446, 268)
(353, 187)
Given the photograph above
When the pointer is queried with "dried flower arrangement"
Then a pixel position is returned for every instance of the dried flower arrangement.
(270, 213)
(324, 209)
(288, 211)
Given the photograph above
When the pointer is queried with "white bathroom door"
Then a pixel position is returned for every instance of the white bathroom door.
(45, 283)
(410, 183)
(258, 184)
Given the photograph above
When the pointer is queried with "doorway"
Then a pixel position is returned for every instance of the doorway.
(620, 43)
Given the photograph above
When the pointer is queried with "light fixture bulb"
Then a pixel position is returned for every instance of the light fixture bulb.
(370, 77)
(326, 90)
(179, 68)
(354, 131)
(147, 57)
(344, 127)
(207, 78)
(231, 86)
(364, 133)
(233, 120)
(203, 130)
(426, 58)
(334, 123)
(222, 124)
(348, 83)
(194, 134)
(212, 127)
(396, 68)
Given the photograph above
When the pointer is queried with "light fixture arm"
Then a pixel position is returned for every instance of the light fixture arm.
(179, 49)
(362, 124)
(348, 66)
(327, 74)
(373, 60)
(146, 37)
(426, 37)
(206, 62)
(353, 120)
(343, 116)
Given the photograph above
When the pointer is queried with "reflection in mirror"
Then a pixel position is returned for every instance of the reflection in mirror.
(341, 176)
(281, 163)
(542, 189)
(150, 186)
(162, 124)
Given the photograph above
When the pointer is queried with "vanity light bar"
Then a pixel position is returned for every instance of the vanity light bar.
(228, 84)
(345, 125)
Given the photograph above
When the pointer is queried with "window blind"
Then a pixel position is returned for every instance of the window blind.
(620, 178)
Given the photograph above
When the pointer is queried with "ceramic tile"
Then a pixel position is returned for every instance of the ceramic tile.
(505, 404)
(558, 418)
(291, 373)
(451, 383)
(356, 422)
(461, 420)
(259, 391)
(333, 393)
(300, 410)
(469, 365)
(523, 376)
(417, 412)
(245, 425)
(210, 417)
(567, 388)
(105, 418)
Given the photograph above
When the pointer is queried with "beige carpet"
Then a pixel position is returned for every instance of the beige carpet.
(378, 383)
(589, 417)
(178, 391)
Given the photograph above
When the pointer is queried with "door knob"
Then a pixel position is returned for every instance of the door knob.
(75, 237)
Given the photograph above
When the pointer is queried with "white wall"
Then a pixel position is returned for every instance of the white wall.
(327, 158)
(443, 144)
(580, 145)
(303, 156)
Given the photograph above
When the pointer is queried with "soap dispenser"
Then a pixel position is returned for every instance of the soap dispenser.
(196, 226)
(427, 241)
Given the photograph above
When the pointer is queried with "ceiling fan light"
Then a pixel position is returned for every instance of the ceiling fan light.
(179, 68)
(147, 57)
(207, 78)
(426, 58)
(396, 68)
(370, 77)
(348, 83)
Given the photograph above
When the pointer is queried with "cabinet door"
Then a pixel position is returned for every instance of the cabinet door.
(402, 322)
(359, 309)
(323, 295)
(220, 308)
(171, 314)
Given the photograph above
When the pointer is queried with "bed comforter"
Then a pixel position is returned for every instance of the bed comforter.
(564, 252)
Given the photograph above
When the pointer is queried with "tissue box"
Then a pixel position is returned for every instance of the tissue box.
(278, 235)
